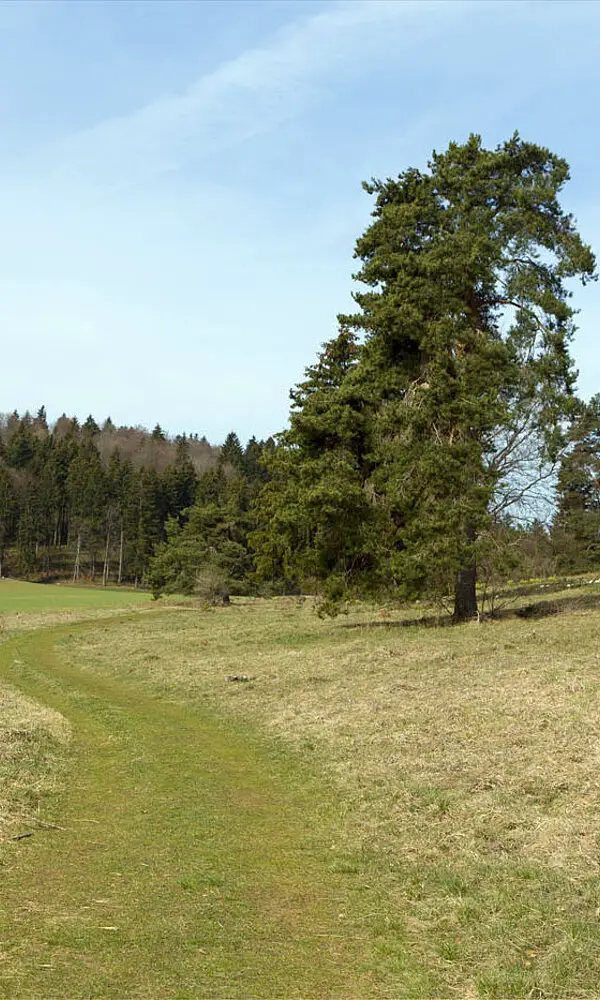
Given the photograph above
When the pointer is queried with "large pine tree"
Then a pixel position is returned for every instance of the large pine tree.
(466, 324)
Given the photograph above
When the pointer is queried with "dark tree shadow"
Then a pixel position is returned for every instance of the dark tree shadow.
(539, 589)
(427, 621)
(560, 606)
(536, 610)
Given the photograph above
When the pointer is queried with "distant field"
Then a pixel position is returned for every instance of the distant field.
(17, 596)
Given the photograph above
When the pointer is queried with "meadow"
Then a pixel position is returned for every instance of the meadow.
(251, 801)
(26, 599)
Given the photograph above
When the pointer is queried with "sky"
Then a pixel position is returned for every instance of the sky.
(180, 182)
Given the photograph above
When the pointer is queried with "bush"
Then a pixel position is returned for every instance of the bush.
(212, 585)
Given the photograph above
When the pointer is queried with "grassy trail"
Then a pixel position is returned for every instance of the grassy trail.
(190, 863)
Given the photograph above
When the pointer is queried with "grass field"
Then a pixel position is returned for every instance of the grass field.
(32, 736)
(17, 597)
(372, 808)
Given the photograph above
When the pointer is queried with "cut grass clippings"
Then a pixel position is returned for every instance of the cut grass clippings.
(32, 747)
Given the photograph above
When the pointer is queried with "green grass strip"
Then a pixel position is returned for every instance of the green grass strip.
(189, 863)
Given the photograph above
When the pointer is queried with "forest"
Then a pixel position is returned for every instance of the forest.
(436, 448)
(127, 506)
(84, 502)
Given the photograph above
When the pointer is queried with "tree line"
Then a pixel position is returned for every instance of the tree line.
(90, 502)
(426, 445)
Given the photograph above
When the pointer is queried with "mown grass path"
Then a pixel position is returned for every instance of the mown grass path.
(191, 863)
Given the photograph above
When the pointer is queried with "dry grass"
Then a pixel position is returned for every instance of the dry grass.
(465, 762)
(32, 739)
(19, 621)
(461, 724)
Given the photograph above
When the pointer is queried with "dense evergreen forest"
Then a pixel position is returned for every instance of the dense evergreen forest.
(94, 503)
(436, 447)
(123, 505)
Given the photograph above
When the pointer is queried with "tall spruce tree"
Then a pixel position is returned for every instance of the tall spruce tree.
(86, 485)
(232, 453)
(466, 324)
(315, 518)
(576, 528)
(253, 466)
(180, 480)
(208, 554)
(8, 511)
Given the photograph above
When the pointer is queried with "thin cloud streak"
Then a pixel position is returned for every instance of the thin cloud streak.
(183, 261)
(243, 98)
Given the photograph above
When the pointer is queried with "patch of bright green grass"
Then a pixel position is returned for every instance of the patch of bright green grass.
(18, 596)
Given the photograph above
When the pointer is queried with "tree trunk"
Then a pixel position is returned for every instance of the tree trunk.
(465, 598)
(121, 556)
(106, 552)
(76, 566)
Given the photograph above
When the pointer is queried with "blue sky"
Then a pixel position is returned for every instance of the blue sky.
(180, 182)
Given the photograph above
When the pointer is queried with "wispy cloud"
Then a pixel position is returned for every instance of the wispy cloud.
(111, 272)
(244, 97)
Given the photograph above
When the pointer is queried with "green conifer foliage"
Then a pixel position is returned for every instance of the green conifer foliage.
(180, 480)
(232, 453)
(576, 529)
(466, 325)
(208, 555)
(316, 521)
(8, 511)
